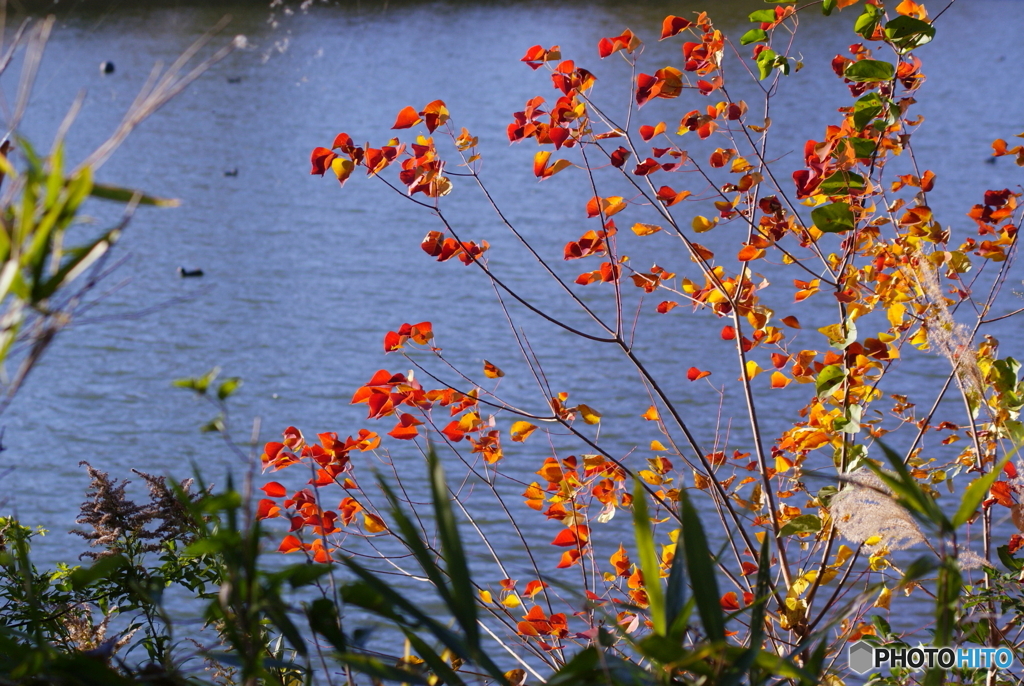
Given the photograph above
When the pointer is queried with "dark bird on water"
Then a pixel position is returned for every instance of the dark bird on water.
(234, 79)
(231, 172)
(991, 160)
(185, 273)
(106, 67)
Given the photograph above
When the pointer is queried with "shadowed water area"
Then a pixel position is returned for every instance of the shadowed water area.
(301, 280)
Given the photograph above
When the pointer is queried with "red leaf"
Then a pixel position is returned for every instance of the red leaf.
(453, 431)
(276, 490)
(1010, 470)
(693, 374)
(321, 159)
(728, 333)
(666, 306)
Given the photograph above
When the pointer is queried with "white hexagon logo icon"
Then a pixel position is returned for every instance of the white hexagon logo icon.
(862, 657)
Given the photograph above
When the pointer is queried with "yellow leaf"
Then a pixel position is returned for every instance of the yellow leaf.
(920, 339)
(373, 524)
(896, 313)
(842, 555)
(656, 445)
(589, 414)
(753, 369)
(701, 224)
(521, 431)
(874, 540)
(651, 414)
(782, 464)
(491, 371)
(645, 229)
(512, 600)
(485, 596)
(650, 477)
(342, 167)
(884, 598)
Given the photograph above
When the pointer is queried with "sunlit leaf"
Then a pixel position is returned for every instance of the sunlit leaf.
(521, 430)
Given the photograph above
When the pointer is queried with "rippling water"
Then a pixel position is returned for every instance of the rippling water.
(303, 280)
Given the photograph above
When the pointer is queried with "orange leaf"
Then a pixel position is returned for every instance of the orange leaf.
(672, 26)
(290, 544)
(749, 253)
(492, 372)
(730, 602)
(407, 119)
(435, 114)
(666, 306)
(791, 321)
(406, 429)
(1002, 493)
(534, 587)
(267, 509)
(780, 380)
(566, 538)
(651, 414)
(569, 558)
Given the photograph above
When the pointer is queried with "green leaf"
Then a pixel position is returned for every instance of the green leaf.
(762, 16)
(909, 493)
(850, 423)
(765, 63)
(1011, 562)
(694, 545)
(834, 218)
(868, 21)
(842, 183)
(379, 671)
(870, 71)
(907, 33)
(976, 492)
(676, 612)
(125, 195)
(648, 558)
(804, 524)
(463, 603)
(101, 569)
(828, 378)
(827, 6)
(866, 109)
(753, 36)
(228, 387)
(199, 384)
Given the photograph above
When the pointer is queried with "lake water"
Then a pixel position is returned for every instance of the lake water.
(302, 280)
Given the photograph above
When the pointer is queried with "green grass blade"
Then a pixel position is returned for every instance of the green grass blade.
(649, 564)
(694, 544)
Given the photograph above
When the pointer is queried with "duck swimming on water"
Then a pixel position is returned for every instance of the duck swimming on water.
(185, 273)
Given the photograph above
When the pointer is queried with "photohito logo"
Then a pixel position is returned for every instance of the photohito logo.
(864, 657)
